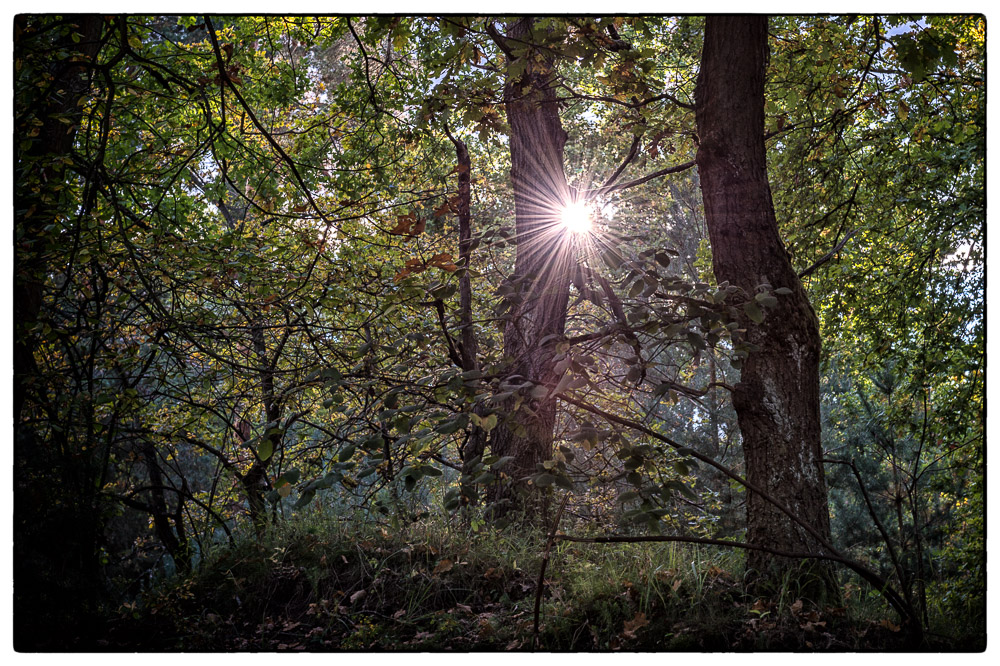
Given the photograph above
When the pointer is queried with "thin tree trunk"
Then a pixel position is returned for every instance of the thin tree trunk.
(176, 544)
(541, 279)
(471, 452)
(777, 399)
(255, 481)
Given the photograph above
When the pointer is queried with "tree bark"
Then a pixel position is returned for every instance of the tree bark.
(46, 129)
(541, 278)
(777, 399)
(472, 451)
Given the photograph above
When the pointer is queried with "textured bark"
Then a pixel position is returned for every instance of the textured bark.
(41, 172)
(468, 348)
(777, 399)
(56, 509)
(541, 274)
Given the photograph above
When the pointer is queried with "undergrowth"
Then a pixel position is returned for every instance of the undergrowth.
(331, 583)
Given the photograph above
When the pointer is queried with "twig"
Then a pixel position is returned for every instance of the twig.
(900, 605)
(541, 572)
(628, 159)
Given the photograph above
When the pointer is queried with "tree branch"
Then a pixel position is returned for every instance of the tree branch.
(639, 181)
(829, 255)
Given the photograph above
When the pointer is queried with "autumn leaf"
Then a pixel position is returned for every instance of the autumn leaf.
(890, 625)
(443, 261)
(443, 566)
(635, 624)
(443, 209)
(403, 224)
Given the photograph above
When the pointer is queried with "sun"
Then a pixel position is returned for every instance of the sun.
(576, 218)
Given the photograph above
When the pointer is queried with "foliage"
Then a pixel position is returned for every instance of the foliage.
(433, 586)
(239, 280)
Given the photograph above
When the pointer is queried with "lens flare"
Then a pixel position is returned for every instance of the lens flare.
(575, 217)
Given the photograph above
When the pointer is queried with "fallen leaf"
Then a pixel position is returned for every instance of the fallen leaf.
(633, 625)
(891, 626)
(443, 566)
(360, 594)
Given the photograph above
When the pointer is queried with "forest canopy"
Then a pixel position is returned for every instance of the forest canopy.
(715, 283)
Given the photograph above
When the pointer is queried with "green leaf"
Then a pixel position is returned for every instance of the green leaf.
(539, 392)
(753, 311)
(304, 499)
(265, 450)
(291, 476)
(502, 462)
(489, 422)
(448, 427)
(544, 480)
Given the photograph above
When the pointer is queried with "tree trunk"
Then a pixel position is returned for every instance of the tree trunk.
(468, 349)
(46, 128)
(541, 279)
(57, 570)
(777, 399)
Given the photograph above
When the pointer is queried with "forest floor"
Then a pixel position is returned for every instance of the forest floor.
(428, 589)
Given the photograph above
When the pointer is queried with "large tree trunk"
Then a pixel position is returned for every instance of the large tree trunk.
(57, 529)
(541, 275)
(777, 399)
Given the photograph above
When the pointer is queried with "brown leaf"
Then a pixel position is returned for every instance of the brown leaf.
(439, 259)
(442, 210)
(360, 594)
(890, 625)
(403, 224)
(633, 625)
(813, 626)
(443, 566)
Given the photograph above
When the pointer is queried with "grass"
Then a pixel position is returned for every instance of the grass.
(328, 583)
